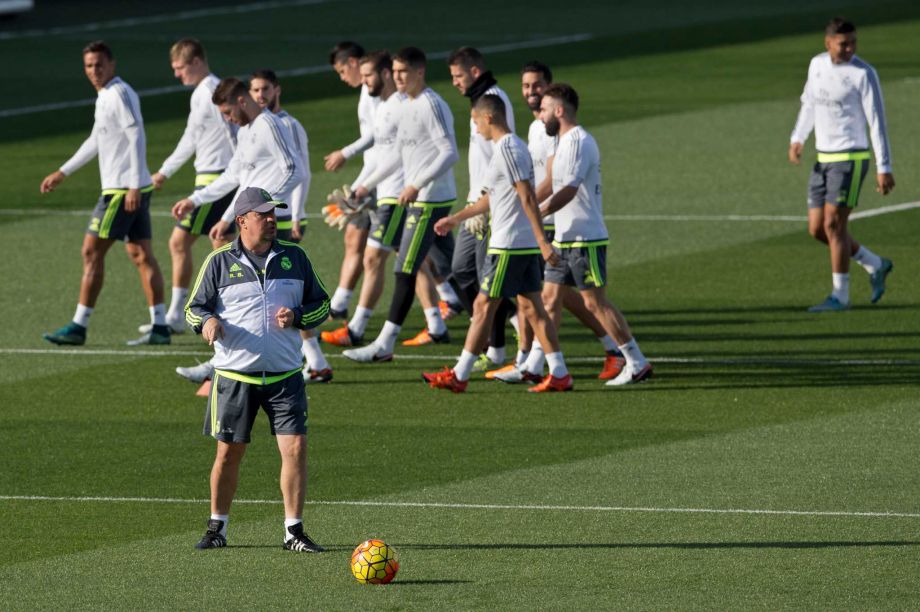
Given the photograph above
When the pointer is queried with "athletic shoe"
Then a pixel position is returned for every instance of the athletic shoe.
(368, 354)
(484, 363)
(445, 379)
(176, 326)
(342, 336)
(212, 537)
(613, 365)
(631, 375)
(197, 374)
(517, 375)
(72, 334)
(551, 383)
(424, 337)
(831, 304)
(158, 334)
(301, 542)
(491, 374)
(338, 314)
(317, 376)
(449, 310)
(877, 280)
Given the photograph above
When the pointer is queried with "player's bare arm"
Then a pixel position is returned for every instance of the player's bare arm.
(545, 189)
(529, 202)
(481, 207)
(50, 182)
(884, 183)
(795, 153)
(560, 199)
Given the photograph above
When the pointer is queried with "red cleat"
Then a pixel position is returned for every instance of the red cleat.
(613, 365)
(445, 379)
(423, 337)
(551, 383)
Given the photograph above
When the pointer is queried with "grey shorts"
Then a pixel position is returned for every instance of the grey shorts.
(507, 273)
(110, 220)
(418, 234)
(584, 267)
(837, 182)
(235, 400)
(387, 224)
(469, 257)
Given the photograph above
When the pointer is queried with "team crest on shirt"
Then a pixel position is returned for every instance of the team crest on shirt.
(286, 263)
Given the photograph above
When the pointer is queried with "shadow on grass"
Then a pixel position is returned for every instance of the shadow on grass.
(667, 545)
(792, 308)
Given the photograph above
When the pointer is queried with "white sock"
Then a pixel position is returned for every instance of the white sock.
(340, 299)
(315, 358)
(556, 364)
(535, 360)
(387, 338)
(222, 517)
(609, 343)
(633, 355)
(515, 323)
(359, 320)
(520, 358)
(435, 322)
(841, 287)
(496, 355)
(447, 293)
(177, 304)
(290, 522)
(867, 259)
(465, 365)
(158, 314)
(81, 316)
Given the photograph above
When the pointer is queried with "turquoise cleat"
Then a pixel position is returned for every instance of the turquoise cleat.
(71, 334)
(158, 334)
(877, 279)
(831, 304)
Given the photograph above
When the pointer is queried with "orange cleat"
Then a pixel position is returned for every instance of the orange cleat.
(551, 383)
(490, 375)
(613, 365)
(340, 337)
(423, 338)
(449, 310)
(445, 379)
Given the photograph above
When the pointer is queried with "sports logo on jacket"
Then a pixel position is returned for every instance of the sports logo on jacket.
(286, 263)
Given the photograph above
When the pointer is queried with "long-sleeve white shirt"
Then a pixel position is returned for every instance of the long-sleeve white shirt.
(480, 151)
(386, 127)
(367, 105)
(117, 138)
(838, 101)
(207, 136)
(265, 157)
(301, 142)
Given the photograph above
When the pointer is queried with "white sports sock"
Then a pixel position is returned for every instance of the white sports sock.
(315, 358)
(359, 320)
(447, 293)
(513, 319)
(81, 316)
(556, 364)
(340, 299)
(496, 355)
(387, 338)
(841, 283)
(222, 517)
(177, 304)
(465, 365)
(435, 322)
(867, 259)
(536, 359)
(633, 354)
(609, 343)
(520, 358)
(158, 314)
(290, 522)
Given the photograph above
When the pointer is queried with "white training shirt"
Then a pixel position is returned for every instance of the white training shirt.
(838, 101)
(302, 145)
(207, 136)
(117, 138)
(577, 163)
(386, 127)
(427, 148)
(480, 151)
(510, 164)
(265, 157)
(367, 105)
(542, 146)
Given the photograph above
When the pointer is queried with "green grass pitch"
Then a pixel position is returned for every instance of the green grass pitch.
(771, 463)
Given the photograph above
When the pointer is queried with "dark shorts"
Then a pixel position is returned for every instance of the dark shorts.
(284, 229)
(469, 257)
(418, 234)
(386, 224)
(110, 220)
(441, 254)
(507, 273)
(837, 182)
(584, 267)
(200, 221)
(233, 405)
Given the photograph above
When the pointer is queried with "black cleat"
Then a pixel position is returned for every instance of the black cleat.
(338, 314)
(301, 542)
(212, 537)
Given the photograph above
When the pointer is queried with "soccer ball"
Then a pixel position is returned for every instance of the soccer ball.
(374, 562)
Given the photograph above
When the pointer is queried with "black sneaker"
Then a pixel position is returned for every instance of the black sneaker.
(212, 537)
(301, 542)
(338, 314)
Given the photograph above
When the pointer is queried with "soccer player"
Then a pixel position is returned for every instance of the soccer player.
(529, 362)
(428, 151)
(123, 210)
(248, 299)
(265, 89)
(842, 95)
(211, 140)
(517, 246)
(581, 235)
(344, 58)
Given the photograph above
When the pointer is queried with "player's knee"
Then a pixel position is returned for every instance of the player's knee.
(373, 257)
(178, 245)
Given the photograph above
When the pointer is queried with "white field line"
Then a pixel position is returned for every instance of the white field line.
(408, 357)
(862, 214)
(453, 506)
(163, 18)
(156, 91)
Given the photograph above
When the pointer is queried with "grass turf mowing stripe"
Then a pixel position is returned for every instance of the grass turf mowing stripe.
(460, 506)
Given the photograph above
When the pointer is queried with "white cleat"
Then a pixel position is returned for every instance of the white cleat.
(368, 354)
(197, 374)
(631, 375)
(516, 375)
(176, 326)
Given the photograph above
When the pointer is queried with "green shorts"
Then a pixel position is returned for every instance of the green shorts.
(235, 400)
(110, 220)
